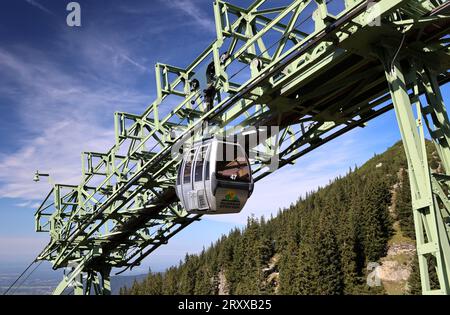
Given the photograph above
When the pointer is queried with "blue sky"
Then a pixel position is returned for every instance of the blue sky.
(59, 88)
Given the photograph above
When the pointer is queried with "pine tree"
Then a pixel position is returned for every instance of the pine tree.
(233, 272)
(204, 282)
(403, 207)
(252, 274)
(171, 282)
(135, 288)
(188, 273)
(307, 265)
(153, 284)
(288, 268)
(376, 221)
(414, 285)
(330, 280)
(349, 248)
(356, 212)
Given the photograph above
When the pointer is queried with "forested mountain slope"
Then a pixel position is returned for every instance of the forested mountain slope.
(322, 244)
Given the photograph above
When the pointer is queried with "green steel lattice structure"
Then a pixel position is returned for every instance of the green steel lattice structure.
(270, 68)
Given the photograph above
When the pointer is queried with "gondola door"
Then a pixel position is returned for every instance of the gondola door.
(233, 180)
(186, 182)
(201, 178)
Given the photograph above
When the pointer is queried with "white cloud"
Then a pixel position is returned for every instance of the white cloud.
(191, 9)
(36, 4)
(132, 62)
(28, 204)
(65, 115)
(109, 54)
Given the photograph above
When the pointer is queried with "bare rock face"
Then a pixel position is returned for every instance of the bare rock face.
(402, 248)
(223, 285)
(273, 280)
(272, 266)
(393, 271)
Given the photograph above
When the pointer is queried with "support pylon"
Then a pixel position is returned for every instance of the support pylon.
(429, 202)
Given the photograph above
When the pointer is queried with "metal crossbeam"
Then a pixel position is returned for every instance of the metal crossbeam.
(270, 69)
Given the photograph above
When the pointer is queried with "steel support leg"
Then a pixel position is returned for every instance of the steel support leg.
(98, 282)
(431, 234)
(106, 281)
(73, 279)
(438, 124)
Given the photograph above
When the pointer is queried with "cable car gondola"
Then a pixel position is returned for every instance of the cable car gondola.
(214, 178)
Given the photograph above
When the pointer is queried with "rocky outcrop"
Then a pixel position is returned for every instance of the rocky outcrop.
(223, 288)
(393, 271)
(402, 248)
(395, 268)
